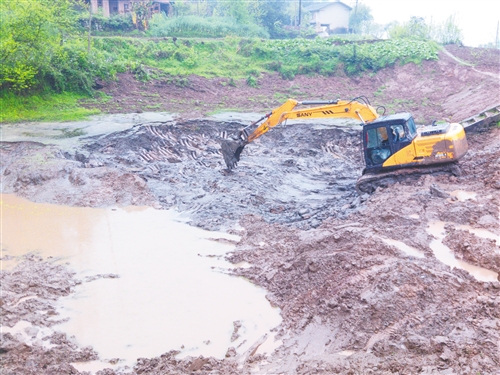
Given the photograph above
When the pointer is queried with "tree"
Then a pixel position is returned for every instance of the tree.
(447, 32)
(235, 9)
(360, 15)
(273, 15)
(140, 13)
(415, 28)
(40, 46)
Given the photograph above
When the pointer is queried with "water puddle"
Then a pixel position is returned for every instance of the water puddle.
(242, 264)
(462, 196)
(69, 134)
(482, 233)
(446, 256)
(25, 332)
(172, 290)
(408, 250)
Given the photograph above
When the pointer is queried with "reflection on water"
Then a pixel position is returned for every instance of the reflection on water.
(69, 134)
(171, 293)
(445, 255)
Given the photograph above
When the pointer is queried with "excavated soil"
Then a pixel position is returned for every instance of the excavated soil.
(353, 299)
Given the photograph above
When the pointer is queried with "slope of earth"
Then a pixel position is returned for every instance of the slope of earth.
(482, 59)
(360, 280)
(433, 90)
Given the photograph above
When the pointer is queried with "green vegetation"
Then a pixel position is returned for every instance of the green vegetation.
(325, 56)
(203, 27)
(117, 24)
(48, 60)
(446, 32)
(41, 49)
(47, 107)
(247, 58)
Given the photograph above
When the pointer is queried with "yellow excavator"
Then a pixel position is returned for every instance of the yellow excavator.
(393, 146)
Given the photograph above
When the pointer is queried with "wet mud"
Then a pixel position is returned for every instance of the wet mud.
(300, 174)
(359, 280)
(353, 299)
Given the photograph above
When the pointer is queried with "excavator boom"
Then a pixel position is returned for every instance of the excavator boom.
(362, 111)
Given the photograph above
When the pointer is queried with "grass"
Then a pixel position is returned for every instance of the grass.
(379, 91)
(70, 133)
(46, 107)
(247, 58)
(230, 58)
(154, 106)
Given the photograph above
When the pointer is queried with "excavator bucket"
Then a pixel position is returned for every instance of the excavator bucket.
(233, 147)
(231, 150)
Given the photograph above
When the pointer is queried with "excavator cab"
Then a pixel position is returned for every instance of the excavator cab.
(385, 136)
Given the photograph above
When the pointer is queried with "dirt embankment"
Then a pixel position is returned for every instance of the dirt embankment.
(433, 90)
(357, 278)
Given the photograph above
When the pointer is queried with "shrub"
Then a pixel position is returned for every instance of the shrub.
(207, 27)
(40, 48)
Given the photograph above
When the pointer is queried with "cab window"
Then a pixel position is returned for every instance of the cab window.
(377, 145)
(412, 129)
(376, 137)
(398, 133)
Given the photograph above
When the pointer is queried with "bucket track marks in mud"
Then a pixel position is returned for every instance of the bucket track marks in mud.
(297, 175)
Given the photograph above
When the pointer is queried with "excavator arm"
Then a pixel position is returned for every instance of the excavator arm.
(362, 111)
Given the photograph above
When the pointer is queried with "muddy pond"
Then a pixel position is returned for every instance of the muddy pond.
(154, 283)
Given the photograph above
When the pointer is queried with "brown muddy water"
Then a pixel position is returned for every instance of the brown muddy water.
(445, 255)
(443, 252)
(152, 283)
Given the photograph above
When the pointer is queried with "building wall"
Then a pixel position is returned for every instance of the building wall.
(124, 6)
(100, 5)
(335, 16)
(115, 6)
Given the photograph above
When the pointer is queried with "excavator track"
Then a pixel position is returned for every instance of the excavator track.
(482, 120)
(370, 181)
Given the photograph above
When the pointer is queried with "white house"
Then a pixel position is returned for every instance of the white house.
(330, 16)
(110, 7)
